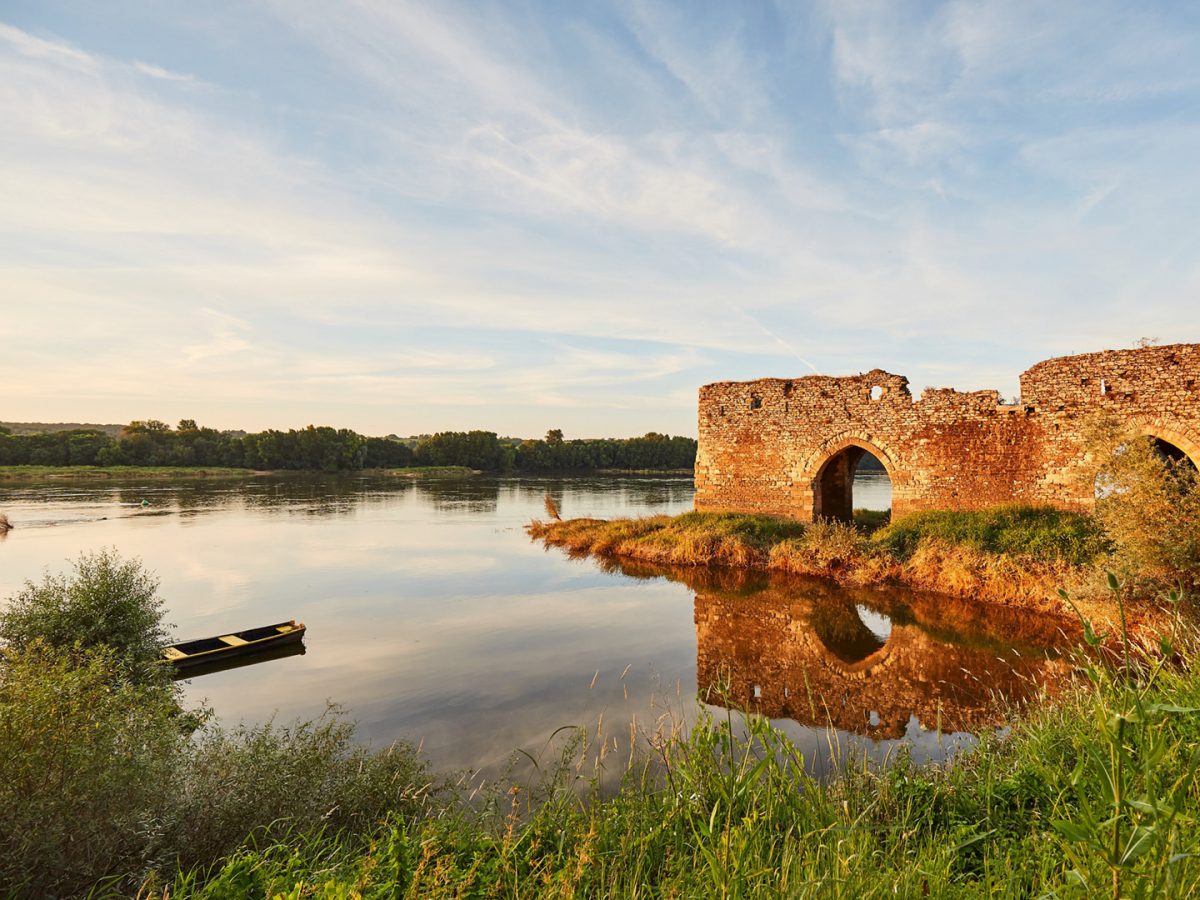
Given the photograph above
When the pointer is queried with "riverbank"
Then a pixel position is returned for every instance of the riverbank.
(43, 473)
(1065, 804)
(1017, 556)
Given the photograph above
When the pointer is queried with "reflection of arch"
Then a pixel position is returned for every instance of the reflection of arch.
(829, 474)
(844, 636)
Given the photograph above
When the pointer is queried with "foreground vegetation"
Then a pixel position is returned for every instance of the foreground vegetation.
(1091, 797)
(108, 785)
(155, 445)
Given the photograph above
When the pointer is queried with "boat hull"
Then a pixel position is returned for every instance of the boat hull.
(208, 653)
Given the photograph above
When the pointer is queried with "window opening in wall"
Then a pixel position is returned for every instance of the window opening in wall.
(756, 402)
(876, 392)
(1103, 387)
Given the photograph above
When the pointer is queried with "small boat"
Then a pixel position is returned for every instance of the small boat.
(207, 651)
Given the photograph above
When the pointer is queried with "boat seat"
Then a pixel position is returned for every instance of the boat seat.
(173, 653)
(232, 640)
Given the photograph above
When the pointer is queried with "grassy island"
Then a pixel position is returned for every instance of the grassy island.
(1009, 554)
(1145, 528)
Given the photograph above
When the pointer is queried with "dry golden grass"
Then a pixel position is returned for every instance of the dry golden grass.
(690, 540)
(843, 553)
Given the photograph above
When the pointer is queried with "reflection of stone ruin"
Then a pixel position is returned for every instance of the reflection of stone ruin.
(790, 446)
(806, 655)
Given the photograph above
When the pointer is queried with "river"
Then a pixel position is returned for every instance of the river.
(432, 617)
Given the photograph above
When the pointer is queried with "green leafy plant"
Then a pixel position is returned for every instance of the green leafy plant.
(1124, 808)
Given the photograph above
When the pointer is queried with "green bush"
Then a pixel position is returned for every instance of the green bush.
(86, 760)
(267, 782)
(105, 602)
(1039, 532)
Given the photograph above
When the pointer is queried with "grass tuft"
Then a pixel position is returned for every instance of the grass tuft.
(1036, 532)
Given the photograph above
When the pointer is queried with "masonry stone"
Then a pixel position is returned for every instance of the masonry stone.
(790, 446)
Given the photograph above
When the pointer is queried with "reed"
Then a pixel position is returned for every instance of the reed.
(1093, 794)
(5, 525)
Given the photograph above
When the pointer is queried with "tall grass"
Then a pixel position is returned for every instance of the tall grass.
(1095, 794)
(104, 781)
(1040, 533)
(105, 776)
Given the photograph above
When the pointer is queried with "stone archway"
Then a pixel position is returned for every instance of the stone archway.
(1173, 443)
(829, 476)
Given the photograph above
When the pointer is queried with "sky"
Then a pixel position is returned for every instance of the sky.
(516, 216)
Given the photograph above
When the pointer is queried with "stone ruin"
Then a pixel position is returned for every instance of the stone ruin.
(790, 447)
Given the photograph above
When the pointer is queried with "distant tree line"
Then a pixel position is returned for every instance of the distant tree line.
(154, 443)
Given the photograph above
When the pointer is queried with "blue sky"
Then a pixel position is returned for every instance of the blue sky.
(517, 216)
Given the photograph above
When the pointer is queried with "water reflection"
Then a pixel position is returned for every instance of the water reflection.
(432, 617)
(867, 661)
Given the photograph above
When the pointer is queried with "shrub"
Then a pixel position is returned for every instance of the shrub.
(105, 602)
(85, 762)
(1148, 505)
(103, 776)
(266, 782)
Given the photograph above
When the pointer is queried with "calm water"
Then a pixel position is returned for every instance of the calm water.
(432, 617)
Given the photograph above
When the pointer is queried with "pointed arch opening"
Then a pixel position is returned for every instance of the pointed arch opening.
(853, 484)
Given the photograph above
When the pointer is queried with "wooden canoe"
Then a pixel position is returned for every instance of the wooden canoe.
(206, 651)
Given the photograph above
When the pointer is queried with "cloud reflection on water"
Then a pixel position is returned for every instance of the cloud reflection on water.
(432, 617)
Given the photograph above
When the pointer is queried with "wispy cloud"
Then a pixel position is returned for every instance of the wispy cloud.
(402, 216)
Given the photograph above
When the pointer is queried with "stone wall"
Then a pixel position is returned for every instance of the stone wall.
(789, 446)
